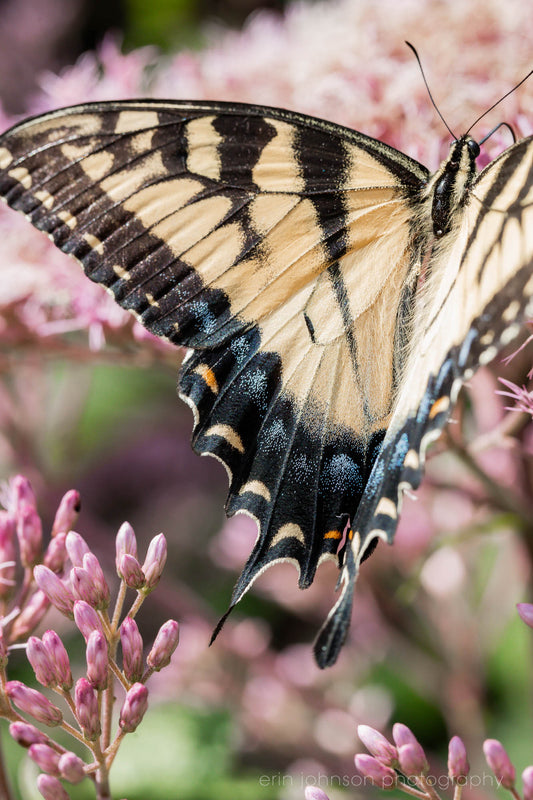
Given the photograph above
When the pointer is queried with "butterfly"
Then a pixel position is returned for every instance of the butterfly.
(332, 294)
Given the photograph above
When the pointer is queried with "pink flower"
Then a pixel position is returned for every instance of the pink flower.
(87, 619)
(51, 788)
(71, 767)
(77, 548)
(87, 712)
(33, 703)
(376, 772)
(26, 734)
(129, 569)
(458, 766)
(97, 660)
(30, 616)
(57, 591)
(45, 757)
(155, 561)
(30, 535)
(67, 512)
(134, 708)
(132, 650)
(56, 553)
(378, 745)
(527, 783)
(164, 645)
(499, 762)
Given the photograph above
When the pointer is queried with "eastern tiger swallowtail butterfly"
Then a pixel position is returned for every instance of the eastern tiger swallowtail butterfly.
(334, 296)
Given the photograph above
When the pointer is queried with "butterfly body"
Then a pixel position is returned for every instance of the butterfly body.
(334, 296)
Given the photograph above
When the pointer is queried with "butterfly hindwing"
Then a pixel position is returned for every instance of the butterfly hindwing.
(483, 294)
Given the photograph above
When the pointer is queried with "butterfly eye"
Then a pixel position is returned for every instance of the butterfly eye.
(473, 147)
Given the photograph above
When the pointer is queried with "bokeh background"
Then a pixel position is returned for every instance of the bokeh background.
(88, 402)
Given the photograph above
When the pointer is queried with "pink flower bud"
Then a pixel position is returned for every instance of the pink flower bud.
(45, 757)
(376, 772)
(378, 745)
(525, 611)
(57, 591)
(499, 762)
(125, 543)
(97, 660)
(71, 767)
(458, 766)
(77, 547)
(527, 783)
(56, 553)
(134, 708)
(32, 702)
(30, 616)
(87, 709)
(26, 734)
(8, 554)
(83, 587)
(51, 788)
(86, 619)
(94, 570)
(154, 561)
(314, 793)
(41, 662)
(412, 759)
(129, 569)
(165, 643)
(67, 512)
(22, 493)
(403, 735)
(30, 536)
(59, 659)
(132, 650)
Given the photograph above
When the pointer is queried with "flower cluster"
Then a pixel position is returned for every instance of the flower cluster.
(403, 765)
(70, 578)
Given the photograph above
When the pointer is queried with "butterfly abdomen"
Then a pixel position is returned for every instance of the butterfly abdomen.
(451, 182)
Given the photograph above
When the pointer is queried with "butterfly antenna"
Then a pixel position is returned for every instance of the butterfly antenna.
(429, 92)
(497, 103)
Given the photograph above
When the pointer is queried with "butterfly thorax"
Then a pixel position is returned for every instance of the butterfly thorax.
(450, 184)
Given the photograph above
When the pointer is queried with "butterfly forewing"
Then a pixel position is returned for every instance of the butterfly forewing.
(278, 247)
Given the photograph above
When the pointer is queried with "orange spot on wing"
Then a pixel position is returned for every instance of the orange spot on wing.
(442, 404)
(209, 377)
(333, 535)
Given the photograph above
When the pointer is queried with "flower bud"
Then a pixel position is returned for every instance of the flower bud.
(525, 611)
(71, 767)
(51, 788)
(8, 554)
(134, 708)
(87, 709)
(378, 745)
(22, 492)
(39, 658)
(499, 762)
(30, 616)
(67, 512)
(97, 660)
(125, 543)
(94, 570)
(129, 569)
(86, 619)
(30, 536)
(165, 643)
(132, 650)
(154, 562)
(458, 766)
(26, 734)
(83, 587)
(59, 659)
(376, 772)
(412, 759)
(56, 553)
(527, 783)
(314, 793)
(45, 757)
(77, 547)
(403, 735)
(32, 702)
(57, 591)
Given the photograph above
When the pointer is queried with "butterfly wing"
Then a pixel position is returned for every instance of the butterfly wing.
(479, 291)
(276, 246)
